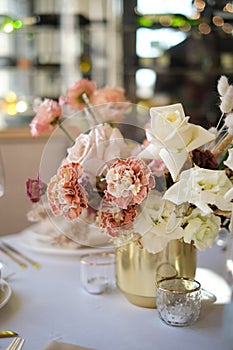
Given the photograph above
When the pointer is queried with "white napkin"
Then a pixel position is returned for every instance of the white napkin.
(54, 345)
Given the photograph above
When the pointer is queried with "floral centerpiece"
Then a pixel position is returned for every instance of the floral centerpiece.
(114, 182)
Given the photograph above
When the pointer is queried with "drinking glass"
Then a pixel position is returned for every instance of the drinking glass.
(98, 272)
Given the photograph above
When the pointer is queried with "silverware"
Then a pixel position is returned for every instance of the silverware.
(21, 344)
(16, 344)
(13, 257)
(8, 334)
(22, 255)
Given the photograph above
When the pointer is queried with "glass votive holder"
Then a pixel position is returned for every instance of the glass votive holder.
(178, 301)
(98, 272)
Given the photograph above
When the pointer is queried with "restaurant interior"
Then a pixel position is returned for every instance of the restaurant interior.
(154, 54)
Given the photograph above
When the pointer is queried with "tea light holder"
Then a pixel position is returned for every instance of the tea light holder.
(178, 301)
(98, 272)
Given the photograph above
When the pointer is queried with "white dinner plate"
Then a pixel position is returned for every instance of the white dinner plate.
(5, 293)
(31, 242)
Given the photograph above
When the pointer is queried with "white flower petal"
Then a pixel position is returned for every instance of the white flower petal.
(200, 229)
(201, 187)
(174, 161)
(229, 161)
(154, 242)
(172, 137)
(229, 195)
(200, 136)
(150, 152)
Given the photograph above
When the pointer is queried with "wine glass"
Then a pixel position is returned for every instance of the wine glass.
(2, 177)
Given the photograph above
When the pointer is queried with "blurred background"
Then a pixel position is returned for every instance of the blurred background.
(161, 52)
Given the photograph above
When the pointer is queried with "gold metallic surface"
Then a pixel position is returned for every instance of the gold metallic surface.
(7, 334)
(136, 269)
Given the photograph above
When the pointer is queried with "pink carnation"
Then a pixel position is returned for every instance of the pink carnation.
(128, 182)
(114, 219)
(110, 103)
(47, 116)
(74, 95)
(107, 94)
(66, 196)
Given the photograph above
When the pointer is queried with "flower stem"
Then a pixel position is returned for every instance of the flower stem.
(219, 141)
(223, 146)
(66, 133)
(220, 119)
(91, 109)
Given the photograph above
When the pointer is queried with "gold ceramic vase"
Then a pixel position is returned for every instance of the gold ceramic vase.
(136, 269)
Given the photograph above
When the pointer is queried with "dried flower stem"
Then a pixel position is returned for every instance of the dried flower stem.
(220, 119)
(220, 139)
(223, 146)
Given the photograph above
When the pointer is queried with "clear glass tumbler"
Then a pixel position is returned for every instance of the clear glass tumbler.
(178, 301)
(98, 272)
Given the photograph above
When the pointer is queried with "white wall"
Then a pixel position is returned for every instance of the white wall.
(21, 158)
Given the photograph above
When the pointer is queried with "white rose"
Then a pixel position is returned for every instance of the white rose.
(202, 230)
(80, 150)
(158, 237)
(201, 187)
(157, 223)
(171, 137)
(93, 150)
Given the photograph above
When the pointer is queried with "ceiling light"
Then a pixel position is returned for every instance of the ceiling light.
(218, 21)
(204, 28)
(200, 5)
(228, 7)
(227, 28)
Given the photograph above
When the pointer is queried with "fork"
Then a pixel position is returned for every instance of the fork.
(16, 344)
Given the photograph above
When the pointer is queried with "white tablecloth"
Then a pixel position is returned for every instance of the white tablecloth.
(49, 304)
